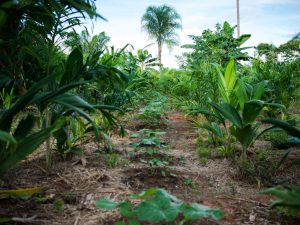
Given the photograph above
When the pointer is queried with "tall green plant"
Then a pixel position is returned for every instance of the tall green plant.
(31, 33)
(244, 126)
(161, 23)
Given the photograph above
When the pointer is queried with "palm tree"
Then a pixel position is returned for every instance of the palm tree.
(161, 23)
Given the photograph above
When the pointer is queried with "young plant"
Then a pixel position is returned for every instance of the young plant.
(289, 197)
(148, 138)
(158, 206)
(244, 126)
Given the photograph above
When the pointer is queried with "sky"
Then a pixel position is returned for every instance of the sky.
(268, 21)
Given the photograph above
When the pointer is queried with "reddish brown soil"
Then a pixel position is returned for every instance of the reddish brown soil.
(80, 185)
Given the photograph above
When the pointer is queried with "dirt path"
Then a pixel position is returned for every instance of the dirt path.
(78, 186)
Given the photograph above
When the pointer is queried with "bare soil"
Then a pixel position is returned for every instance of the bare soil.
(78, 185)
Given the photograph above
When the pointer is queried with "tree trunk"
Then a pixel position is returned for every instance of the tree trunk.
(159, 53)
(238, 18)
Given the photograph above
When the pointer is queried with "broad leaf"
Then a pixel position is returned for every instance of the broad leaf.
(126, 210)
(4, 136)
(145, 194)
(198, 211)
(228, 112)
(241, 93)
(291, 130)
(134, 222)
(214, 128)
(251, 111)
(243, 38)
(106, 204)
(288, 196)
(230, 76)
(162, 208)
(258, 90)
(245, 135)
(27, 145)
(24, 127)
(73, 67)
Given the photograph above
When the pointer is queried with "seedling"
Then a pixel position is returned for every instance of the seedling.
(148, 138)
(112, 160)
(157, 206)
(155, 162)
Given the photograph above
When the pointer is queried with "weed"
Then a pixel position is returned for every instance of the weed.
(41, 199)
(155, 162)
(148, 138)
(227, 150)
(59, 205)
(203, 161)
(112, 160)
(69, 197)
(189, 182)
(203, 152)
(182, 160)
(278, 139)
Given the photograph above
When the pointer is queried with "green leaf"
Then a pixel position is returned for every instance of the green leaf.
(251, 111)
(162, 208)
(73, 67)
(134, 222)
(145, 194)
(4, 136)
(230, 76)
(21, 103)
(291, 130)
(73, 100)
(243, 38)
(288, 196)
(120, 223)
(106, 204)
(24, 127)
(214, 128)
(228, 112)
(24, 148)
(246, 135)
(126, 210)
(241, 93)
(221, 83)
(198, 211)
(258, 90)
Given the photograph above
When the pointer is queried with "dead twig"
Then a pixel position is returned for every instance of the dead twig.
(77, 219)
(26, 220)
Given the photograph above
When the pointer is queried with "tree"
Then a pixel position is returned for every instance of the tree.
(87, 43)
(161, 23)
(217, 46)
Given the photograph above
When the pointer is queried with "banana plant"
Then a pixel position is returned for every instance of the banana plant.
(243, 124)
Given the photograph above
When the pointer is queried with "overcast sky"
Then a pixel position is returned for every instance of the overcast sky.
(271, 21)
